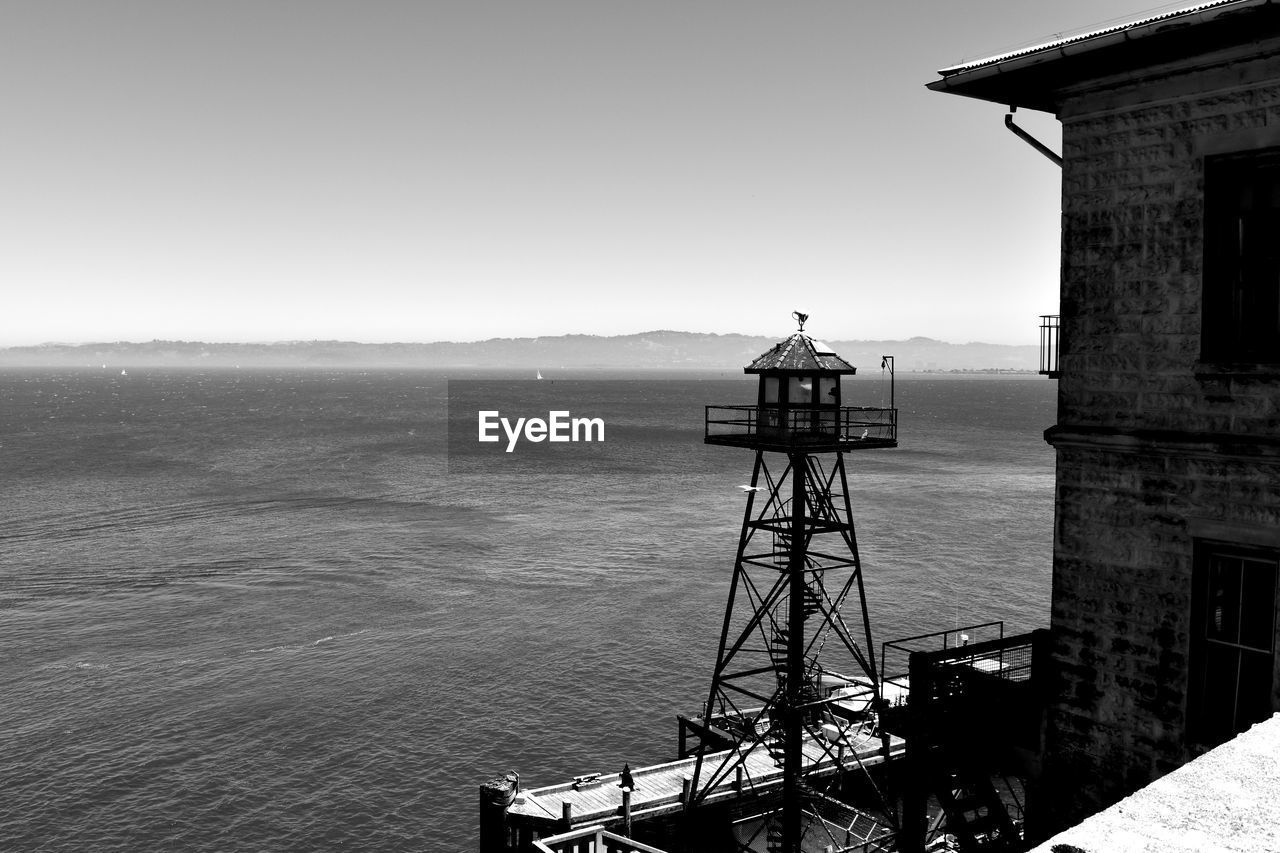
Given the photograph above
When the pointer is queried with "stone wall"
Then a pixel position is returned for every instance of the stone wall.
(1128, 516)
(1132, 234)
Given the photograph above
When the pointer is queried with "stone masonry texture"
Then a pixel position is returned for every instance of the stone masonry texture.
(1150, 442)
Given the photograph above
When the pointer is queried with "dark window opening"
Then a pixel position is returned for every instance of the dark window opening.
(1232, 640)
(1242, 258)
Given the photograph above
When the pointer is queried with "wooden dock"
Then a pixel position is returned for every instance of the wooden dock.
(659, 789)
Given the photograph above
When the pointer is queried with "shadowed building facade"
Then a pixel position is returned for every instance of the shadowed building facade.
(1167, 530)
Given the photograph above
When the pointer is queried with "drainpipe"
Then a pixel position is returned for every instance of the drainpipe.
(1029, 139)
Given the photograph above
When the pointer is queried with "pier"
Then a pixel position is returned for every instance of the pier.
(664, 788)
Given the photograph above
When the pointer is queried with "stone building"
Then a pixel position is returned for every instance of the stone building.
(1167, 535)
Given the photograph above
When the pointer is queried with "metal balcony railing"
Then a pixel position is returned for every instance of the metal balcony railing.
(802, 427)
(1050, 338)
(980, 684)
(895, 655)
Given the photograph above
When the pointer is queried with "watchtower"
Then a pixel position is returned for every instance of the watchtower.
(795, 685)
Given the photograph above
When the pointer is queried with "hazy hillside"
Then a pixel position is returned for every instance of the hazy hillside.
(660, 349)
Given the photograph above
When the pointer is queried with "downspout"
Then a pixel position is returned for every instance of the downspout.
(1029, 139)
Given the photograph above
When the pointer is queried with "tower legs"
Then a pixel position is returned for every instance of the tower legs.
(792, 654)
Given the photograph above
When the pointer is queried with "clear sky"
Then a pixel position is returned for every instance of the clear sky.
(420, 170)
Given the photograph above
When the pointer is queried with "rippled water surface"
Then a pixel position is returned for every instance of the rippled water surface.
(246, 611)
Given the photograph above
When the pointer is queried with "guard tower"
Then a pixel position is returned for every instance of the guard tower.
(795, 690)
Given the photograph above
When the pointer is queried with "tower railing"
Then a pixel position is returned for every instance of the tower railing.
(802, 427)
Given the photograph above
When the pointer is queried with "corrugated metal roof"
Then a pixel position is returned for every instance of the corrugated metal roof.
(1091, 34)
(799, 352)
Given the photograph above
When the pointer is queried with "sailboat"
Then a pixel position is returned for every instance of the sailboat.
(124, 373)
(539, 374)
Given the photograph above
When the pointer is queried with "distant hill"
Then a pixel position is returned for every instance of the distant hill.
(648, 350)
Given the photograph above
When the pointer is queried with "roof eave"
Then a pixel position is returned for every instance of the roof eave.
(803, 371)
(1001, 81)
(1032, 78)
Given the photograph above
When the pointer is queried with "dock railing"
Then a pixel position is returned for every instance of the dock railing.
(591, 839)
(831, 825)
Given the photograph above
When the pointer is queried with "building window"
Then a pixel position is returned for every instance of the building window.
(1242, 258)
(1232, 640)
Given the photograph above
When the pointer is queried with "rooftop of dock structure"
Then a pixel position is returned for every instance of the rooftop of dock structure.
(660, 789)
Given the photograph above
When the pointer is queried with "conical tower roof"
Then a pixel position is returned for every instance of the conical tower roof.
(800, 354)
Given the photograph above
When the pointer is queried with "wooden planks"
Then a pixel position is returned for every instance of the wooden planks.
(659, 789)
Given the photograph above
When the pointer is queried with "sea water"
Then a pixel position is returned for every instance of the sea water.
(259, 610)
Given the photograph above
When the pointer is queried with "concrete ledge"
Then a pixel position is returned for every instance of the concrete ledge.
(1226, 800)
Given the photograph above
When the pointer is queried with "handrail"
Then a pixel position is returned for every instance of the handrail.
(950, 639)
(601, 838)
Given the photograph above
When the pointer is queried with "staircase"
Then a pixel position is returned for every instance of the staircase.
(781, 550)
(773, 837)
(976, 816)
(775, 744)
(812, 601)
(779, 658)
(778, 652)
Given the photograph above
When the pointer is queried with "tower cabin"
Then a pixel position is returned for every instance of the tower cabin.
(799, 405)
(1166, 564)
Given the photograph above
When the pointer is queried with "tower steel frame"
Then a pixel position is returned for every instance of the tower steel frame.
(786, 602)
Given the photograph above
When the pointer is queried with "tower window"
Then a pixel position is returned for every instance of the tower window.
(828, 391)
(800, 390)
(770, 392)
(1232, 640)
